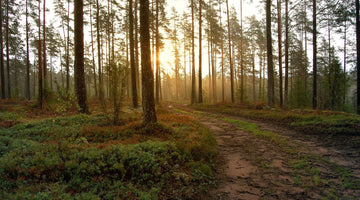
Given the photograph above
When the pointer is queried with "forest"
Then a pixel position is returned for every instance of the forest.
(242, 74)
(197, 99)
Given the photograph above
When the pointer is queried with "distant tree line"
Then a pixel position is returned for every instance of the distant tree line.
(293, 54)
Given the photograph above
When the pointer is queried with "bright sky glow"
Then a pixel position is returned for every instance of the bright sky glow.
(167, 56)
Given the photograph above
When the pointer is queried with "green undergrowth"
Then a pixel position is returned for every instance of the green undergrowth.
(86, 157)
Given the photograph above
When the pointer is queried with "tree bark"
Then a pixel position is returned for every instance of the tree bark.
(147, 76)
(27, 77)
(101, 87)
(241, 55)
(44, 46)
(93, 51)
(132, 57)
(231, 66)
(2, 71)
(314, 99)
(286, 86)
(68, 50)
(136, 41)
(79, 56)
(40, 85)
(8, 51)
(358, 54)
(271, 96)
(200, 52)
(193, 89)
(280, 53)
(157, 53)
(253, 76)
(185, 67)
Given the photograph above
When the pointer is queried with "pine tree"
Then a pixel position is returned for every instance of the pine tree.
(200, 52)
(231, 66)
(79, 56)
(7, 37)
(27, 77)
(358, 54)
(271, 97)
(314, 100)
(132, 56)
(40, 76)
(193, 90)
(286, 86)
(280, 52)
(2, 71)
(147, 73)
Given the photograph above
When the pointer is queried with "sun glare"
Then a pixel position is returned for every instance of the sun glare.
(167, 60)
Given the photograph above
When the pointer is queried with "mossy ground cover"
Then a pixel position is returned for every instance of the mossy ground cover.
(86, 157)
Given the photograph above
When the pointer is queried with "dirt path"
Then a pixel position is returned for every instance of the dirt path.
(256, 167)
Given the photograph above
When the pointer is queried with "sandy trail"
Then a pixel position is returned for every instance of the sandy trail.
(251, 167)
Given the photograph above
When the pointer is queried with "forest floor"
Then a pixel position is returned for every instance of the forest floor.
(262, 160)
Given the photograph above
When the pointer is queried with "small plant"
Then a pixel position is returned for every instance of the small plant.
(66, 102)
(264, 164)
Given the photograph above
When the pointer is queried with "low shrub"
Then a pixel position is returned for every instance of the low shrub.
(85, 157)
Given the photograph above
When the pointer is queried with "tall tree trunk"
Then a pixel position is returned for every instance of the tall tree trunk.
(345, 34)
(209, 65)
(193, 89)
(27, 77)
(314, 99)
(79, 56)
(222, 59)
(213, 68)
(147, 75)
(8, 51)
(132, 56)
(3, 91)
(127, 62)
(271, 97)
(101, 87)
(136, 40)
(68, 50)
(51, 73)
(200, 52)
(305, 54)
(40, 85)
(260, 76)
(44, 46)
(253, 76)
(286, 53)
(231, 66)
(358, 54)
(241, 55)
(280, 53)
(185, 66)
(93, 51)
(157, 99)
(2, 71)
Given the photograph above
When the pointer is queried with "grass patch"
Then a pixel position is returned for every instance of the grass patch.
(253, 128)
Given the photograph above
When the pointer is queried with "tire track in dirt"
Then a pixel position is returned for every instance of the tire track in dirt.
(250, 167)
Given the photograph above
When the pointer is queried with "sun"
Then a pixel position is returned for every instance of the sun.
(167, 60)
